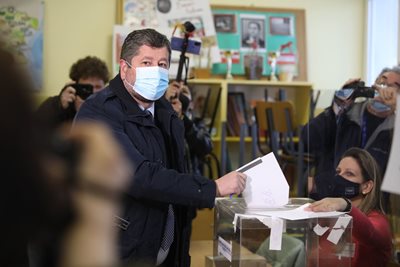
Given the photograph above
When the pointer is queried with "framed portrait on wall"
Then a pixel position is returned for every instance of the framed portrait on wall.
(252, 32)
(225, 22)
(281, 26)
(273, 30)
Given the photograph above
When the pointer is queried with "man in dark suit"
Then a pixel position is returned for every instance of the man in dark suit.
(254, 36)
(152, 135)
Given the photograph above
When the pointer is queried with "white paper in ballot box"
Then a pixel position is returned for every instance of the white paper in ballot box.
(266, 185)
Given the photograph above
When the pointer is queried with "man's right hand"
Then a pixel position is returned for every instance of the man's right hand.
(68, 96)
(231, 183)
(339, 105)
(350, 81)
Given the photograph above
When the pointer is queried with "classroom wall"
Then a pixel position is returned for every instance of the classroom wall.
(74, 29)
(335, 37)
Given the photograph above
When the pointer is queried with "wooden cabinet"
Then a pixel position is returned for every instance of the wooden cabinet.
(215, 92)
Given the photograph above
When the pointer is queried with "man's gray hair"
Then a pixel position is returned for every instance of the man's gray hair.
(395, 69)
(138, 38)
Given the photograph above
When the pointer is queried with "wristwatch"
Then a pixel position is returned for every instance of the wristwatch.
(348, 207)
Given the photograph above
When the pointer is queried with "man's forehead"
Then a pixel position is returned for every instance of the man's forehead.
(152, 52)
(391, 75)
(392, 78)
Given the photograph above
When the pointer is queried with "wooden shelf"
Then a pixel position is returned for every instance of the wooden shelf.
(297, 92)
(250, 82)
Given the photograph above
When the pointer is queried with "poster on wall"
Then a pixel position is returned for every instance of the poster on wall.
(271, 39)
(167, 15)
(139, 14)
(21, 24)
(119, 34)
(199, 14)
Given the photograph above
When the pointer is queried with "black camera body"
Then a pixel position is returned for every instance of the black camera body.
(83, 90)
(360, 90)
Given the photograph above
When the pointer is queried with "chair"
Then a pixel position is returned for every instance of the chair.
(275, 121)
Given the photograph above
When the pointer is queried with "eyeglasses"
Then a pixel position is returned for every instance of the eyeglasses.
(382, 82)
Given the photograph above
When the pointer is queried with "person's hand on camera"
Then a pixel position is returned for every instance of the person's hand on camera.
(350, 81)
(173, 90)
(386, 95)
(68, 96)
(186, 91)
(177, 106)
(78, 102)
(231, 183)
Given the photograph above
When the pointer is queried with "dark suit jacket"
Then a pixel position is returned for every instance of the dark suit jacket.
(260, 43)
(156, 150)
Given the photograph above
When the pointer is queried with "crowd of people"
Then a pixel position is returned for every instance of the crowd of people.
(111, 172)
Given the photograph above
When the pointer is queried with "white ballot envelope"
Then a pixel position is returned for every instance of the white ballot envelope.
(266, 185)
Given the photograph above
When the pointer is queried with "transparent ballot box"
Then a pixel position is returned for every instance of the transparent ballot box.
(243, 237)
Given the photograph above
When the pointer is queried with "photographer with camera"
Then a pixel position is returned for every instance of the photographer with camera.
(89, 75)
(198, 141)
(348, 123)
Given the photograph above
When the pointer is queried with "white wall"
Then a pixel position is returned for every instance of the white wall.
(74, 29)
(334, 28)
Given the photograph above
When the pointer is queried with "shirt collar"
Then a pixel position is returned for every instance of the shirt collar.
(151, 108)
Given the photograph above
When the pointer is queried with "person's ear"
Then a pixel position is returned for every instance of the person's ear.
(123, 68)
(367, 187)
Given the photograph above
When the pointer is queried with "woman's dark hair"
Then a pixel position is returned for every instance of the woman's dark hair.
(89, 67)
(369, 171)
(31, 202)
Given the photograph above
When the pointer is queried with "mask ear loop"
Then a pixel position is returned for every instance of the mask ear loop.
(127, 63)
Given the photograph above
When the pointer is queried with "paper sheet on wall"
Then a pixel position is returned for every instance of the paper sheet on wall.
(199, 14)
(119, 34)
(139, 14)
(266, 185)
(391, 181)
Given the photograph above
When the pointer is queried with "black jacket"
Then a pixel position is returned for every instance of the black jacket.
(156, 150)
(328, 137)
(51, 113)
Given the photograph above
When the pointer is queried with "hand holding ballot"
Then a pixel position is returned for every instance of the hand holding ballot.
(266, 185)
(328, 204)
(231, 183)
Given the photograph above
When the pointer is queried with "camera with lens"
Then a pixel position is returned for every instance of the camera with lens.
(83, 90)
(360, 90)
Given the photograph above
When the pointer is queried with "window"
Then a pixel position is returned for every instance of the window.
(382, 36)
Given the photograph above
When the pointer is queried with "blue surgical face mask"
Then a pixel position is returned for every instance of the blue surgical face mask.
(344, 188)
(379, 106)
(151, 82)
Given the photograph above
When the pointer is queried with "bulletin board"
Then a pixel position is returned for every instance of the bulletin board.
(281, 30)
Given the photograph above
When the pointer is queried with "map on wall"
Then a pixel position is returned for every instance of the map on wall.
(139, 14)
(21, 24)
